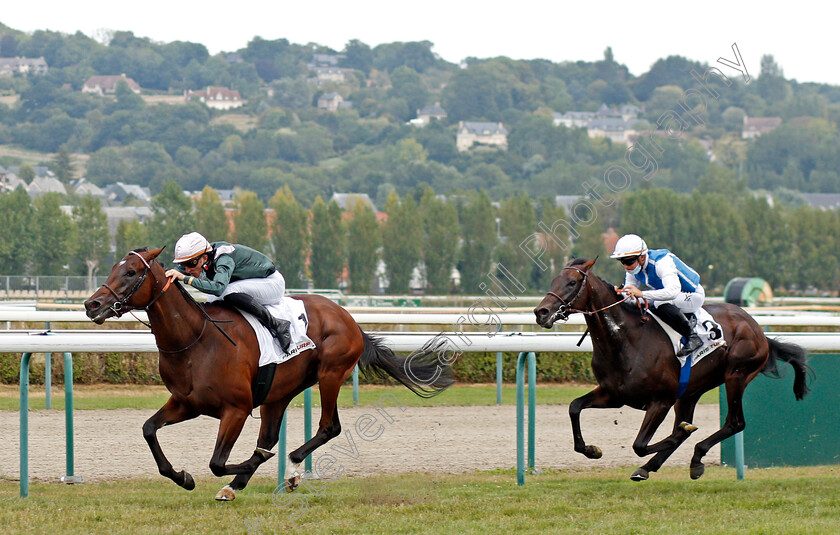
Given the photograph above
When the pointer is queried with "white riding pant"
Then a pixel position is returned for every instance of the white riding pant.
(687, 302)
(268, 291)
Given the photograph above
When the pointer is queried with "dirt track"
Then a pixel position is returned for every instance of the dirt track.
(109, 443)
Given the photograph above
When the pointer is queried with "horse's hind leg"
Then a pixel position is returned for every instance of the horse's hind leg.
(171, 413)
(596, 399)
(329, 426)
(734, 423)
(271, 417)
(683, 417)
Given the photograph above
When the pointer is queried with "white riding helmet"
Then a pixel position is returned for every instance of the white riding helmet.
(629, 245)
(190, 246)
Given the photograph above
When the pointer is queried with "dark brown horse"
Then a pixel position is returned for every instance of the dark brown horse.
(207, 374)
(635, 365)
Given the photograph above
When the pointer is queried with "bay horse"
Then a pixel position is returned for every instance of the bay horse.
(207, 374)
(634, 364)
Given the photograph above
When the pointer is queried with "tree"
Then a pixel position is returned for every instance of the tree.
(518, 223)
(171, 216)
(17, 221)
(327, 244)
(290, 236)
(408, 86)
(249, 224)
(130, 235)
(358, 55)
(364, 241)
(210, 219)
(440, 243)
(26, 173)
(55, 236)
(63, 165)
(479, 235)
(402, 238)
(94, 240)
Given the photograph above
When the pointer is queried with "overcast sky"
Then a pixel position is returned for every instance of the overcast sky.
(802, 36)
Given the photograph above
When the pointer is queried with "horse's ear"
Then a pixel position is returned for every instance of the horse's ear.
(588, 265)
(155, 252)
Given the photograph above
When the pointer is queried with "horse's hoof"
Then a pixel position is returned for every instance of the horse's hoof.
(189, 482)
(292, 483)
(593, 452)
(226, 494)
(640, 475)
(697, 470)
(685, 426)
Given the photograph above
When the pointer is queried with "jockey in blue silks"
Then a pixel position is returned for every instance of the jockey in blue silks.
(674, 288)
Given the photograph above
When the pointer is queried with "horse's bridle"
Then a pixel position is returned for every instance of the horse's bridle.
(121, 305)
(566, 306)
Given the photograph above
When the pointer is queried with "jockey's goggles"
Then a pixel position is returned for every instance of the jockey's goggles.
(192, 263)
(628, 260)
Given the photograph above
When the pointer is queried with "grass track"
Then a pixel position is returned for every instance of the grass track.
(778, 500)
(153, 397)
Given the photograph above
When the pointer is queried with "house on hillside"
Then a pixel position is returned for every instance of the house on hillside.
(107, 85)
(120, 193)
(41, 185)
(427, 114)
(615, 129)
(9, 181)
(346, 201)
(83, 187)
(823, 201)
(578, 119)
(335, 75)
(482, 135)
(218, 98)
(330, 101)
(756, 126)
(25, 66)
(326, 60)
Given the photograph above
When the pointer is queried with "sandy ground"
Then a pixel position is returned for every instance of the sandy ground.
(109, 443)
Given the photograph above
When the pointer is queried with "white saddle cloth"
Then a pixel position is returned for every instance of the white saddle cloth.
(707, 329)
(270, 351)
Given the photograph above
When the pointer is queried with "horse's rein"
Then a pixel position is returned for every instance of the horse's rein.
(567, 306)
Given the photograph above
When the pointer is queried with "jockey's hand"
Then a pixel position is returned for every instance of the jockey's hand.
(632, 291)
(174, 274)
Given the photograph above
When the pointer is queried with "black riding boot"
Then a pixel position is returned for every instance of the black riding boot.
(278, 328)
(674, 317)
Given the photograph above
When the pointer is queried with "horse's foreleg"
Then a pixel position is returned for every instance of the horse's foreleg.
(684, 416)
(734, 423)
(597, 399)
(230, 425)
(654, 415)
(171, 413)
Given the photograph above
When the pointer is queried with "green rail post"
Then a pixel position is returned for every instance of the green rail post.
(499, 374)
(356, 384)
(499, 378)
(48, 374)
(48, 380)
(307, 424)
(281, 452)
(68, 413)
(24, 425)
(520, 413)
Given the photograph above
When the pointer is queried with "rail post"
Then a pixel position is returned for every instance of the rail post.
(520, 413)
(24, 424)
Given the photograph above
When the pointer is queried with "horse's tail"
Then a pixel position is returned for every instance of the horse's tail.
(420, 372)
(796, 357)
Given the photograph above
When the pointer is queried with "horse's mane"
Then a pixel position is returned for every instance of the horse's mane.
(629, 306)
